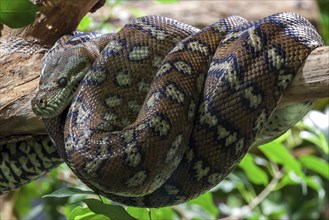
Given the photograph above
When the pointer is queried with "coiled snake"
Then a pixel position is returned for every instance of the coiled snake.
(161, 112)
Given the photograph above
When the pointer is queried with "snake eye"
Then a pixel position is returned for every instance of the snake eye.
(62, 82)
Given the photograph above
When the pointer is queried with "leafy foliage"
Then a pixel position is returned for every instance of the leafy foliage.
(283, 179)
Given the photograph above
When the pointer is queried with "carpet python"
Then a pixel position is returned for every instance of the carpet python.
(160, 112)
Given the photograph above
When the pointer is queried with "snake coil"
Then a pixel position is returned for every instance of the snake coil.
(161, 112)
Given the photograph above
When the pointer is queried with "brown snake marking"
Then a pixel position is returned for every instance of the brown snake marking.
(169, 154)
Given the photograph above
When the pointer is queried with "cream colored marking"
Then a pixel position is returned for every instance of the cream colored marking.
(200, 171)
(113, 101)
(161, 178)
(83, 114)
(142, 86)
(153, 99)
(196, 46)
(284, 80)
(128, 135)
(172, 152)
(139, 53)
(277, 60)
(114, 46)
(31, 157)
(24, 161)
(254, 40)
(158, 34)
(137, 179)
(98, 77)
(260, 121)
(177, 40)
(173, 92)
(222, 132)
(133, 155)
(126, 122)
(232, 35)
(231, 76)
(5, 169)
(171, 190)
(191, 110)
(180, 46)
(157, 61)
(123, 78)
(254, 99)
(68, 146)
(84, 138)
(92, 168)
(183, 67)
(239, 146)
(220, 28)
(141, 127)
(231, 139)
(214, 178)
(134, 106)
(205, 115)
(160, 125)
(48, 147)
(110, 116)
(164, 68)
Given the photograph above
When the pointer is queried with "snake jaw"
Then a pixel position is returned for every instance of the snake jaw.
(51, 105)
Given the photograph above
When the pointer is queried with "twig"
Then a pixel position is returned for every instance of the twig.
(258, 199)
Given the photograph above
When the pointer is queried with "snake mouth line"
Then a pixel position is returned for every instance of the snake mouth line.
(54, 106)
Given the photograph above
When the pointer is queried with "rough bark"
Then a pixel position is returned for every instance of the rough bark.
(18, 87)
(55, 18)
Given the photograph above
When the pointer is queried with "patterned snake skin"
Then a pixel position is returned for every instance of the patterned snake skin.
(161, 112)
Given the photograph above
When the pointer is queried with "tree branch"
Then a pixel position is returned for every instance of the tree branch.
(312, 79)
(20, 84)
(55, 18)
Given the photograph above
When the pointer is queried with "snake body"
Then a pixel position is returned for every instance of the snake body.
(161, 112)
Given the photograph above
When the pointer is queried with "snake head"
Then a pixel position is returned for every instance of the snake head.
(60, 78)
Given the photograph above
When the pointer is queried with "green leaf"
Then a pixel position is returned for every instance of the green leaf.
(315, 164)
(80, 213)
(167, 1)
(277, 153)
(254, 173)
(68, 191)
(318, 139)
(164, 213)
(207, 203)
(138, 213)
(84, 23)
(17, 13)
(312, 183)
(114, 212)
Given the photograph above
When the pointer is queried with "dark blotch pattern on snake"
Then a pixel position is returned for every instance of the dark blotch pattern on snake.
(161, 112)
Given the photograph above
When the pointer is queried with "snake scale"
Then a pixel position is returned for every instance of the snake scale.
(160, 112)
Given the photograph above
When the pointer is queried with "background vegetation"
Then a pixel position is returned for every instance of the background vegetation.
(285, 179)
